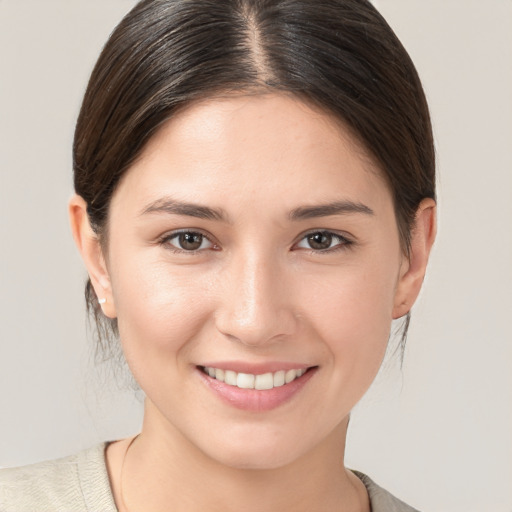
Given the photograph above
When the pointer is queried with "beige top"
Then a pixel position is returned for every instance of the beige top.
(80, 484)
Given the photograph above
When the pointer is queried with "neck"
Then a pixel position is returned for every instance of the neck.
(163, 470)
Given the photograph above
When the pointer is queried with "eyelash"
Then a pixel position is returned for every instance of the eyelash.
(166, 241)
(343, 243)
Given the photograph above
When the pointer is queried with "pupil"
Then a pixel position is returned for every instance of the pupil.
(320, 240)
(190, 241)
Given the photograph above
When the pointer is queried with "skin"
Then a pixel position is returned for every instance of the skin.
(255, 291)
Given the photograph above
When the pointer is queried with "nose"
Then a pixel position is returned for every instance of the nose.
(256, 303)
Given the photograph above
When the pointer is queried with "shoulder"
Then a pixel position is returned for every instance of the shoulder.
(380, 499)
(76, 483)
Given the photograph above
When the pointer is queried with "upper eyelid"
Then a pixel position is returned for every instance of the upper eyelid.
(344, 241)
(173, 233)
(169, 235)
(343, 236)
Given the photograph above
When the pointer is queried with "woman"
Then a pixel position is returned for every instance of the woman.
(255, 204)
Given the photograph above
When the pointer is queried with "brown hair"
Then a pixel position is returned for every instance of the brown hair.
(340, 55)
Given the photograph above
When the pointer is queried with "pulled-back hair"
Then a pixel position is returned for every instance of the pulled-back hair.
(339, 55)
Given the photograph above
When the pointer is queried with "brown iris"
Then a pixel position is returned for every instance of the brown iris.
(319, 241)
(190, 241)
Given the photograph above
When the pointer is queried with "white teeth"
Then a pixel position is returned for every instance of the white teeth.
(245, 380)
(250, 381)
(265, 381)
(290, 375)
(230, 377)
(279, 378)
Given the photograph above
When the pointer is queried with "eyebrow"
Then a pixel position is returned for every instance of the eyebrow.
(174, 207)
(324, 210)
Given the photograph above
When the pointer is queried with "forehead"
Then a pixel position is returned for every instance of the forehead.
(271, 148)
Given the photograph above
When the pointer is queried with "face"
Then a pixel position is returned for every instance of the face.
(253, 243)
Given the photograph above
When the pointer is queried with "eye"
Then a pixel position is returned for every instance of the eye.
(323, 241)
(188, 241)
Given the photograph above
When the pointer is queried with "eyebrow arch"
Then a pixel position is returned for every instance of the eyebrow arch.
(174, 207)
(324, 210)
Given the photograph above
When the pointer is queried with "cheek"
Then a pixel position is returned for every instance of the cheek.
(352, 314)
(159, 311)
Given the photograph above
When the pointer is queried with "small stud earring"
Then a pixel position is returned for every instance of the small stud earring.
(102, 301)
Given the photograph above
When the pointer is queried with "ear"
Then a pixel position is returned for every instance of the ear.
(90, 248)
(413, 268)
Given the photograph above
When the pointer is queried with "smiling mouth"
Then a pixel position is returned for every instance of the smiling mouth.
(262, 381)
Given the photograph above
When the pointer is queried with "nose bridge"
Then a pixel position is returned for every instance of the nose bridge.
(255, 306)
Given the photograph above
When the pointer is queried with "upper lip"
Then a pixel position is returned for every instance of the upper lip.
(255, 368)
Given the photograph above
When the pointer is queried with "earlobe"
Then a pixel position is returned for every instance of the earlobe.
(89, 246)
(422, 240)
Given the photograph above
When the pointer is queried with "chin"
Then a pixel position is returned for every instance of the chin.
(253, 452)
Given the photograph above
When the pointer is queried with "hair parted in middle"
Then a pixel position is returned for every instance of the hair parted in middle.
(338, 55)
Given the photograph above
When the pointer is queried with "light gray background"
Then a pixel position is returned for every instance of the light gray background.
(439, 433)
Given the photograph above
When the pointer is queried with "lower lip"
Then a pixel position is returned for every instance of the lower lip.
(253, 399)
